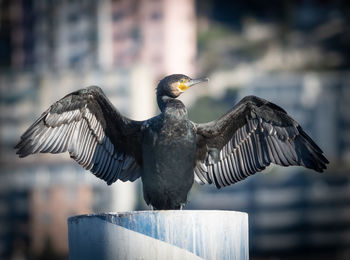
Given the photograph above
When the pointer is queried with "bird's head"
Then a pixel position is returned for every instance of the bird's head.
(174, 85)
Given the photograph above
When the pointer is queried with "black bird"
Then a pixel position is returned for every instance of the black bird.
(169, 151)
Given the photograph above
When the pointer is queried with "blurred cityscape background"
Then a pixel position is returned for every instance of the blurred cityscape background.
(293, 53)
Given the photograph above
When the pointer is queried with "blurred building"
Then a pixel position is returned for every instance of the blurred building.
(158, 33)
(50, 208)
(83, 34)
(293, 213)
(36, 201)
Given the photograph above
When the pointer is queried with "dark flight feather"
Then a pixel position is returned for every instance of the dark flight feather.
(86, 124)
(253, 134)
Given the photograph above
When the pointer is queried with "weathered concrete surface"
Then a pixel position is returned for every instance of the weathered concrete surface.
(185, 234)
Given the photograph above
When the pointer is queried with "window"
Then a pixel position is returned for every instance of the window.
(156, 15)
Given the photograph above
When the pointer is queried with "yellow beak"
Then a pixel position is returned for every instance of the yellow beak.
(186, 85)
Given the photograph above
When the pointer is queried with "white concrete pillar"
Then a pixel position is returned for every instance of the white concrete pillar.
(172, 234)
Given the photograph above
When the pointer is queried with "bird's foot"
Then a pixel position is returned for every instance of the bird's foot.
(182, 205)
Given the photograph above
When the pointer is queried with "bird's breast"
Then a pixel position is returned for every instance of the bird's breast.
(168, 159)
(168, 141)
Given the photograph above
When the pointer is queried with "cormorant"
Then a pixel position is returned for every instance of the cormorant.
(169, 151)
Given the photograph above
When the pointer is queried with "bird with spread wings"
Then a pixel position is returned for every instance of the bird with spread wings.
(169, 151)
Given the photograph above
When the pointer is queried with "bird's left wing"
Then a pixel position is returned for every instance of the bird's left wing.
(253, 134)
(95, 134)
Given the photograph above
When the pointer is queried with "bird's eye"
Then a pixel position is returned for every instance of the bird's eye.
(181, 81)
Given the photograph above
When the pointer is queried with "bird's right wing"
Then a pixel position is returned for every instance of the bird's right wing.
(95, 134)
(253, 134)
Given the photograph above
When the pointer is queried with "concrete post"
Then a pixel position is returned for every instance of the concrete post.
(173, 234)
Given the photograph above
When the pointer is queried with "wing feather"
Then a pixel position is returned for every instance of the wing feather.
(97, 136)
(254, 134)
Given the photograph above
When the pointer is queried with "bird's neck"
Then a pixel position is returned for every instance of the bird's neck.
(163, 101)
(171, 105)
